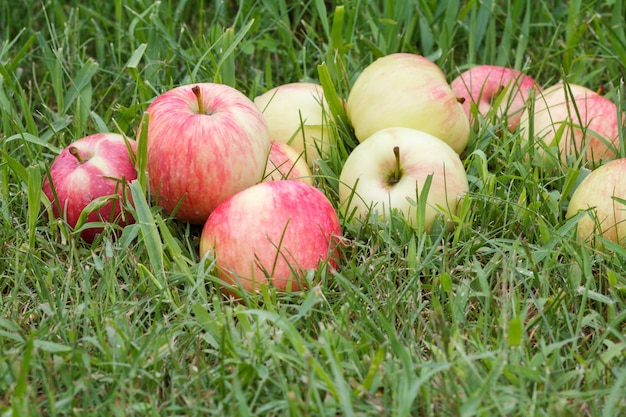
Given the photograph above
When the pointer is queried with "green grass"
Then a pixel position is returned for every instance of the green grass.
(506, 315)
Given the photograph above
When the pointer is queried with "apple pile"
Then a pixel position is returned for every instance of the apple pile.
(567, 123)
(243, 169)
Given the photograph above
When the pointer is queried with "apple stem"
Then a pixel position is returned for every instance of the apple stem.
(72, 150)
(196, 91)
(460, 100)
(397, 173)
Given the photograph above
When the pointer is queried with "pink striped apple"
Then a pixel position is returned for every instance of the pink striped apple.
(494, 88)
(285, 163)
(272, 233)
(206, 142)
(577, 121)
(92, 167)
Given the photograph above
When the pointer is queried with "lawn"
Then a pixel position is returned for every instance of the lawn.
(509, 314)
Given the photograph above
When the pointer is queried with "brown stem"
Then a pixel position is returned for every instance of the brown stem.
(196, 91)
(397, 172)
(72, 150)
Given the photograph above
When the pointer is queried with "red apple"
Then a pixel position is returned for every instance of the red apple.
(491, 87)
(285, 163)
(577, 120)
(205, 143)
(407, 90)
(602, 194)
(297, 114)
(272, 233)
(388, 172)
(95, 166)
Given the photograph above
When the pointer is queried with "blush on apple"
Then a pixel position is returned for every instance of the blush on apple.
(95, 166)
(205, 143)
(407, 90)
(603, 195)
(494, 88)
(576, 120)
(388, 171)
(285, 163)
(297, 114)
(272, 233)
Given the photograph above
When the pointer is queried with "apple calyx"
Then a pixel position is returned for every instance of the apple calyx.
(74, 152)
(198, 94)
(396, 174)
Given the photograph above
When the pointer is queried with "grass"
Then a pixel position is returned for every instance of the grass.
(506, 315)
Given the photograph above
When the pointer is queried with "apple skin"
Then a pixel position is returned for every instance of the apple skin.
(285, 163)
(558, 107)
(276, 229)
(483, 84)
(598, 192)
(203, 157)
(105, 164)
(297, 114)
(363, 182)
(407, 90)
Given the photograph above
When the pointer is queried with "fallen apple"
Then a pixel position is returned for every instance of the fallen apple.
(388, 172)
(272, 233)
(285, 163)
(205, 143)
(602, 194)
(297, 114)
(577, 121)
(407, 90)
(494, 88)
(93, 167)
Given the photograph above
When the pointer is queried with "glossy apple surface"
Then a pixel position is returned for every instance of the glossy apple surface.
(577, 121)
(297, 114)
(205, 143)
(285, 163)
(601, 194)
(376, 178)
(95, 166)
(407, 90)
(494, 88)
(272, 233)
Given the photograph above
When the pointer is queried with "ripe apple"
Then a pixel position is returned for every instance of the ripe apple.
(489, 86)
(581, 122)
(272, 233)
(602, 193)
(205, 143)
(407, 90)
(98, 165)
(389, 169)
(297, 114)
(285, 163)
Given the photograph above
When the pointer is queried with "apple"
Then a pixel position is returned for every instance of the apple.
(285, 163)
(407, 90)
(577, 120)
(272, 233)
(94, 166)
(388, 171)
(205, 143)
(602, 194)
(492, 87)
(297, 114)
